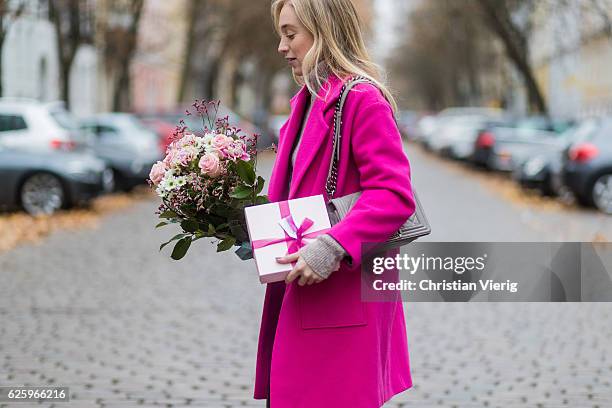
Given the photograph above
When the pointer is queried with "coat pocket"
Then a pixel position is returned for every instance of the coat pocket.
(334, 302)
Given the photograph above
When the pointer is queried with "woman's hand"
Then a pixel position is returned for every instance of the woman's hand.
(301, 269)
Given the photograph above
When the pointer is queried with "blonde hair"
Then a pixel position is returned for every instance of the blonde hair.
(338, 43)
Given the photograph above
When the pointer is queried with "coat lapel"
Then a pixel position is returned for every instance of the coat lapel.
(279, 178)
(317, 132)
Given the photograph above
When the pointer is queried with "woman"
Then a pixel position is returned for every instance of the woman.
(319, 344)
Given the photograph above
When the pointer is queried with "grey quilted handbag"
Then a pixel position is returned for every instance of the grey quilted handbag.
(416, 226)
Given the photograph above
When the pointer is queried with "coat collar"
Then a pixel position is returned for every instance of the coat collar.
(329, 92)
(316, 132)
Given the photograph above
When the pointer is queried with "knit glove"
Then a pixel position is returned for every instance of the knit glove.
(323, 255)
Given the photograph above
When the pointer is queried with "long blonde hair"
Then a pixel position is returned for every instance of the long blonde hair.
(338, 43)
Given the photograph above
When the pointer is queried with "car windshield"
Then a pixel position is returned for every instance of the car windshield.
(543, 123)
(64, 119)
(534, 124)
(581, 132)
(129, 121)
(128, 124)
(467, 121)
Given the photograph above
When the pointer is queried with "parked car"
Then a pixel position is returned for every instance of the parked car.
(456, 135)
(27, 123)
(542, 170)
(587, 167)
(504, 147)
(408, 124)
(425, 127)
(44, 182)
(163, 129)
(473, 111)
(429, 125)
(125, 144)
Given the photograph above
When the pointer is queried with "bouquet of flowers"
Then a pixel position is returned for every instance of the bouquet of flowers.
(206, 180)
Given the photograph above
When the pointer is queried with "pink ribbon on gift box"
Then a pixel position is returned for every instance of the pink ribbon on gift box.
(293, 243)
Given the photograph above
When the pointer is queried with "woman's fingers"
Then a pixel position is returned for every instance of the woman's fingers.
(303, 280)
(302, 270)
(294, 273)
(288, 258)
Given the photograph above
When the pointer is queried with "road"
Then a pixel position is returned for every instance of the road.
(102, 312)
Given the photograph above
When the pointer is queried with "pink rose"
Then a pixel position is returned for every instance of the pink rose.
(157, 172)
(210, 165)
(222, 142)
(237, 151)
(171, 157)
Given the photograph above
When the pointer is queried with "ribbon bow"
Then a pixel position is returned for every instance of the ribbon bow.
(294, 235)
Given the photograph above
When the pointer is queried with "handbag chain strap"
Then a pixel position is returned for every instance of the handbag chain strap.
(332, 175)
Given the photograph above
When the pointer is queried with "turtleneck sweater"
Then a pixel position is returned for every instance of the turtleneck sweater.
(324, 254)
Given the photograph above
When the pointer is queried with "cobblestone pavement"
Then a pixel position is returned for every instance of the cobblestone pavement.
(102, 312)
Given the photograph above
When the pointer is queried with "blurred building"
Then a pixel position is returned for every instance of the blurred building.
(157, 66)
(572, 55)
(30, 61)
(29, 54)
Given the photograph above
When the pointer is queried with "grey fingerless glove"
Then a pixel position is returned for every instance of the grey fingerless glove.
(323, 255)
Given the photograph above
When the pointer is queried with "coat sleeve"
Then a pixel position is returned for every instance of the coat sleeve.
(386, 201)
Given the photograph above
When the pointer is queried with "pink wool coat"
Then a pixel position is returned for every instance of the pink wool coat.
(320, 346)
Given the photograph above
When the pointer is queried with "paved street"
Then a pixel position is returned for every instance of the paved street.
(102, 312)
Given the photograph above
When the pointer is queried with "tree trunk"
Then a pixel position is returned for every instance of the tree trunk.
(186, 71)
(516, 50)
(210, 80)
(1, 48)
(65, 89)
(122, 91)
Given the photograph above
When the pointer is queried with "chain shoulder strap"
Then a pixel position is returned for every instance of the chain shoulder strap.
(332, 175)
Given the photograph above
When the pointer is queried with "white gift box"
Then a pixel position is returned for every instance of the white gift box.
(273, 234)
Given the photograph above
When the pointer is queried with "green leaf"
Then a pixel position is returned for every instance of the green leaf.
(260, 184)
(261, 200)
(189, 226)
(211, 229)
(221, 210)
(245, 171)
(241, 192)
(180, 249)
(161, 224)
(168, 214)
(226, 244)
(177, 236)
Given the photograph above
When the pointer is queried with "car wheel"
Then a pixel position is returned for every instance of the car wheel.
(547, 187)
(42, 193)
(602, 193)
(121, 182)
(108, 180)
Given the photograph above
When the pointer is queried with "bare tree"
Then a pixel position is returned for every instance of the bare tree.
(511, 21)
(204, 39)
(445, 56)
(120, 37)
(73, 22)
(212, 39)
